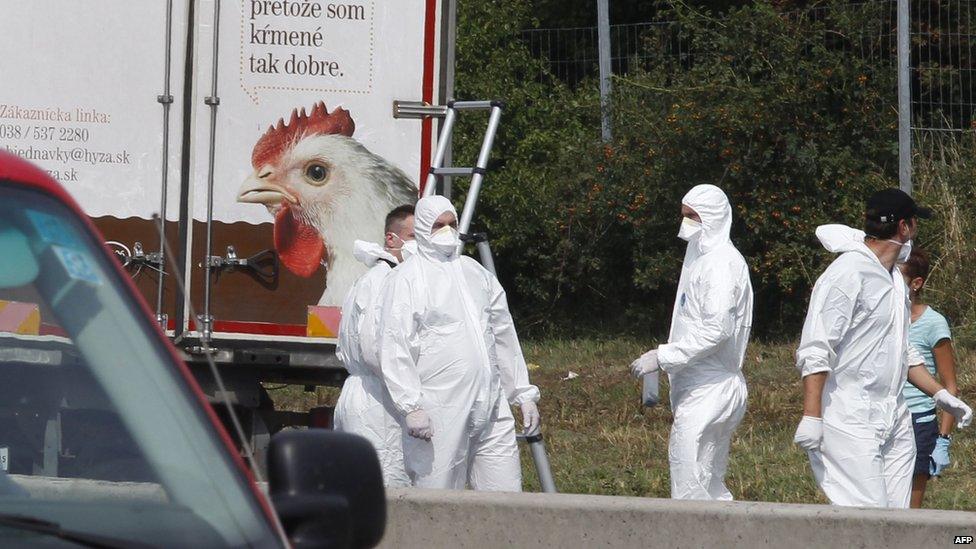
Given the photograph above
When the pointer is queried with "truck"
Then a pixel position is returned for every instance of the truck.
(231, 153)
(106, 439)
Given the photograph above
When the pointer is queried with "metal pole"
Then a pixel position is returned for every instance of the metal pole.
(904, 98)
(484, 252)
(443, 140)
(166, 99)
(541, 459)
(467, 213)
(603, 42)
(450, 54)
(212, 100)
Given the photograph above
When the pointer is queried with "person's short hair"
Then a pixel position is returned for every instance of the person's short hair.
(877, 229)
(397, 216)
(917, 265)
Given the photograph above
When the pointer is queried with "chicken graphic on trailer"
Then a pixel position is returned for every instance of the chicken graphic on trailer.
(325, 190)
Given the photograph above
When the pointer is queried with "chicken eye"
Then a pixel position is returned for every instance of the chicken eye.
(316, 172)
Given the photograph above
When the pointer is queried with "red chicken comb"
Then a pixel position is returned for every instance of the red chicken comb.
(281, 136)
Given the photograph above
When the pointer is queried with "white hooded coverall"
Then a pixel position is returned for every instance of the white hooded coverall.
(364, 406)
(703, 357)
(856, 330)
(449, 347)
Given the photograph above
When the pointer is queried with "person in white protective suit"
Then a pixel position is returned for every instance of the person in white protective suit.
(854, 358)
(364, 406)
(703, 358)
(453, 364)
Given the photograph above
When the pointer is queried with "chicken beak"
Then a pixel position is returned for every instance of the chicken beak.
(261, 189)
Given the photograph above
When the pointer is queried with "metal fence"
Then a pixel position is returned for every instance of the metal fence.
(571, 53)
(943, 52)
(943, 65)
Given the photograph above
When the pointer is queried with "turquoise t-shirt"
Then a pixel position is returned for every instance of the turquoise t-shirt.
(924, 334)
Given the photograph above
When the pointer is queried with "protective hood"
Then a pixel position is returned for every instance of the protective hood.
(368, 253)
(426, 212)
(711, 204)
(841, 238)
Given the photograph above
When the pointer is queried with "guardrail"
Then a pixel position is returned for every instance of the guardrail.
(433, 518)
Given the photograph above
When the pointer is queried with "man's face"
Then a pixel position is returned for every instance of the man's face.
(689, 213)
(908, 229)
(446, 219)
(394, 239)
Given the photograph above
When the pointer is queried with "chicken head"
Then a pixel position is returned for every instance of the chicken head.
(325, 190)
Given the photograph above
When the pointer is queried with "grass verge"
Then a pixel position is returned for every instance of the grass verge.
(602, 441)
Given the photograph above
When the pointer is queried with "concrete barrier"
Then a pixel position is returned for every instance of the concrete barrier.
(433, 519)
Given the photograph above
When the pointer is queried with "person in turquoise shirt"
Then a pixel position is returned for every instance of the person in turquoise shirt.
(929, 334)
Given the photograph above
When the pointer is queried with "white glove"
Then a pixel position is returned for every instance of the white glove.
(959, 409)
(418, 425)
(809, 433)
(644, 365)
(531, 419)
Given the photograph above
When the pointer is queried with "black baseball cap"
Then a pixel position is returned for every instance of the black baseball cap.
(892, 205)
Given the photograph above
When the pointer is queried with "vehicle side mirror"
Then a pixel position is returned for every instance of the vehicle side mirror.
(327, 488)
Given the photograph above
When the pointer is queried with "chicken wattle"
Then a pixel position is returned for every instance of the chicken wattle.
(299, 244)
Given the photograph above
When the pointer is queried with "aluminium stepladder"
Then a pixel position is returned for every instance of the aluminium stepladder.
(438, 171)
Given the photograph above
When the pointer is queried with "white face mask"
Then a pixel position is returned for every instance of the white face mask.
(689, 228)
(904, 252)
(446, 240)
(409, 249)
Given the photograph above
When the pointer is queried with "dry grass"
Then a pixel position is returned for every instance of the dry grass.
(944, 172)
(602, 441)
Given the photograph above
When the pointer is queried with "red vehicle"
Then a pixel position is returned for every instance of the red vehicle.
(105, 437)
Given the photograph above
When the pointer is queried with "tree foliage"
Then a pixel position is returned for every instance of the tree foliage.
(781, 109)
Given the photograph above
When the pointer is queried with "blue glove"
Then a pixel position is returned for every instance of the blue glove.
(940, 457)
